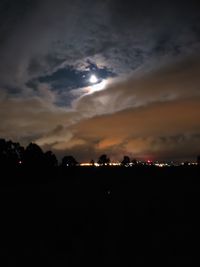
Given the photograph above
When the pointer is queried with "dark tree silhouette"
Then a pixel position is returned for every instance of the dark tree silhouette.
(198, 160)
(69, 161)
(50, 160)
(103, 160)
(34, 156)
(126, 161)
(11, 154)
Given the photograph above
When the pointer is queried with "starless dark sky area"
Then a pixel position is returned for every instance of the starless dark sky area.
(145, 55)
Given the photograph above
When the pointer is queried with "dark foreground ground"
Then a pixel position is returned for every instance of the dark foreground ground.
(100, 216)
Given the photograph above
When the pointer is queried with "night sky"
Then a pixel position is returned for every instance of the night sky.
(120, 77)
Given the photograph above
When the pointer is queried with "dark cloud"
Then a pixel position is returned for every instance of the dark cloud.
(148, 51)
(13, 13)
(40, 35)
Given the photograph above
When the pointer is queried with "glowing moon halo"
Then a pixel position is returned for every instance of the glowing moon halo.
(97, 87)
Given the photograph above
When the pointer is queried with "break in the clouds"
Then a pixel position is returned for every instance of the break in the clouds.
(144, 55)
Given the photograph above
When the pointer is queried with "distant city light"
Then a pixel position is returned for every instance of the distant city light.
(139, 163)
(86, 164)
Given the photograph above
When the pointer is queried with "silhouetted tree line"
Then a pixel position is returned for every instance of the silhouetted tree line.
(14, 155)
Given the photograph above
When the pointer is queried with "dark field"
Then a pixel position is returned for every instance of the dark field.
(101, 216)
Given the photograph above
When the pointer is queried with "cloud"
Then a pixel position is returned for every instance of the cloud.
(146, 130)
(176, 81)
(38, 38)
(28, 118)
(141, 116)
(144, 115)
(49, 35)
(149, 46)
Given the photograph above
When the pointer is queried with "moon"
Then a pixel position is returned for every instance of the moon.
(97, 84)
(93, 79)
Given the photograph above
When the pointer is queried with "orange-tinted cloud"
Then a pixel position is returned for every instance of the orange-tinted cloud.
(150, 130)
(152, 114)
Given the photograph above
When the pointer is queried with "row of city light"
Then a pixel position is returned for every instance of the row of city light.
(97, 164)
(148, 163)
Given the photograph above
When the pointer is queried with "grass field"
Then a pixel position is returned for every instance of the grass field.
(101, 216)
